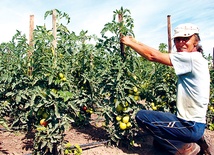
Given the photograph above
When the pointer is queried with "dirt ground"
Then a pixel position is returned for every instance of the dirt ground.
(16, 143)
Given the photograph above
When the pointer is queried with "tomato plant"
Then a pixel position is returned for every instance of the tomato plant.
(83, 75)
(120, 83)
(210, 111)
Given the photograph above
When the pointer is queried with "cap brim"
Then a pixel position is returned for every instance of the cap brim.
(181, 35)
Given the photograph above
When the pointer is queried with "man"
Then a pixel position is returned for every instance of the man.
(178, 134)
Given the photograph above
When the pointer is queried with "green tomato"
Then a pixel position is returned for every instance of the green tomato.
(61, 75)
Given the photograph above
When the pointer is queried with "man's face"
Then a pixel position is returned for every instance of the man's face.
(185, 44)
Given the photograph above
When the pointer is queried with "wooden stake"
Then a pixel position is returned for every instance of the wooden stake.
(54, 29)
(31, 28)
(120, 19)
(30, 52)
(169, 34)
(213, 57)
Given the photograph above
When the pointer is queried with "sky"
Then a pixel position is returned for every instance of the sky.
(150, 17)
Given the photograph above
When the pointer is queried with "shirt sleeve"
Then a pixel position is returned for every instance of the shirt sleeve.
(181, 62)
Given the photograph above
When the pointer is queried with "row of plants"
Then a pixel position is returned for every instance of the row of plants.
(48, 90)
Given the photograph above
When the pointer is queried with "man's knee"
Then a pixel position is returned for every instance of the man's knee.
(141, 118)
(143, 115)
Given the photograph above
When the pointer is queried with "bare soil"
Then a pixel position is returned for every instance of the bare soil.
(90, 139)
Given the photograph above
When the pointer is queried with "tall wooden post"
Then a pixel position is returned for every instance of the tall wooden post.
(169, 34)
(213, 57)
(120, 20)
(30, 52)
(31, 28)
(54, 29)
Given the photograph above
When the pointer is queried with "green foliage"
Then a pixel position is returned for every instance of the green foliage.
(77, 150)
(84, 75)
(210, 112)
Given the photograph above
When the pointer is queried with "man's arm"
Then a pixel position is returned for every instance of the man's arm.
(147, 52)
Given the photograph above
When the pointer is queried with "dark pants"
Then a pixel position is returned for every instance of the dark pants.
(171, 132)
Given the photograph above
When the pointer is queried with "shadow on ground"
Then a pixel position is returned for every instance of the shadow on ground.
(143, 145)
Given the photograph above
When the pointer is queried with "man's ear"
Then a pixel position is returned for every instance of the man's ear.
(195, 43)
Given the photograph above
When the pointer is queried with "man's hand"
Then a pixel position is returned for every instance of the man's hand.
(128, 40)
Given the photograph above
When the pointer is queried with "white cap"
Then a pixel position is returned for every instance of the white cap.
(185, 30)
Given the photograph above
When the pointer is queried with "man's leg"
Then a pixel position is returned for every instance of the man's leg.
(169, 131)
(206, 145)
